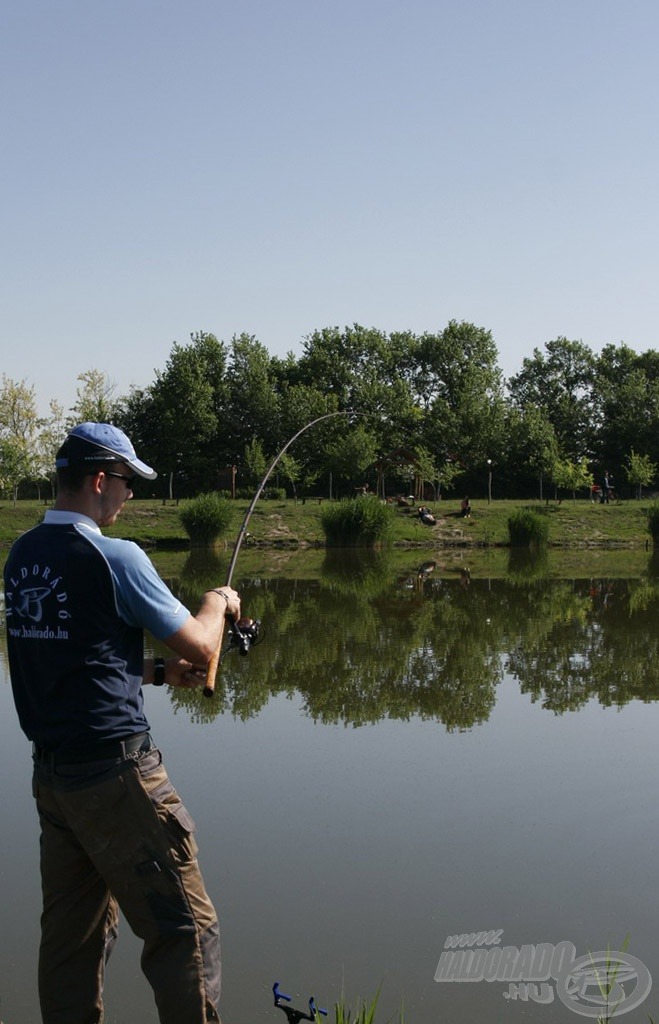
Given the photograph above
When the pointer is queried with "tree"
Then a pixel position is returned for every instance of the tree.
(426, 470)
(459, 385)
(290, 470)
(572, 476)
(255, 461)
(94, 399)
(532, 446)
(640, 470)
(301, 404)
(252, 402)
(363, 369)
(627, 397)
(19, 424)
(560, 383)
(15, 465)
(177, 420)
(50, 437)
(352, 454)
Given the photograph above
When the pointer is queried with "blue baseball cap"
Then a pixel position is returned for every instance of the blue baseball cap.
(101, 442)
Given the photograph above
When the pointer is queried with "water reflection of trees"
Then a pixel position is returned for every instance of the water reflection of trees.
(360, 644)
(606, 650)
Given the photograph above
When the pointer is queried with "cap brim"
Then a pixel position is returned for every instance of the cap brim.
(141, 469)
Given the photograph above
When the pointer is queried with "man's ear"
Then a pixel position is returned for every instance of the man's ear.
(95, 481)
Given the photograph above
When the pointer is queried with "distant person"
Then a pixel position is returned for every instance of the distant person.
(115, 834)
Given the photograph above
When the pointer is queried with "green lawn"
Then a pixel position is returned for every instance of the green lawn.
(285, 523)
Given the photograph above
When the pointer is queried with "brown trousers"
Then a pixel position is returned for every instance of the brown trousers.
(117, 835)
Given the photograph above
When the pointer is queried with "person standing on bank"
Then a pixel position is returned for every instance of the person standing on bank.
(114, 832)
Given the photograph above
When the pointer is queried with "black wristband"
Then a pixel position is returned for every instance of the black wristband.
(158, 671)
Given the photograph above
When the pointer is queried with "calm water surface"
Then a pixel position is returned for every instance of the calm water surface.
(409, 754)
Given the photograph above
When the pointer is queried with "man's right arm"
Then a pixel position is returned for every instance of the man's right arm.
(200, 634)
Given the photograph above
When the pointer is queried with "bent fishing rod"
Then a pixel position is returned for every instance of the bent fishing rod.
(243, 636)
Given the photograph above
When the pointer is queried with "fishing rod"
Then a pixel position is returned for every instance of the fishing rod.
(243, 631)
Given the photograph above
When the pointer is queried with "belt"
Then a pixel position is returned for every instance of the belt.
(105, 751)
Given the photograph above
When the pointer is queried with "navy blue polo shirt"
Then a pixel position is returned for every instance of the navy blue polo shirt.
(76, 605)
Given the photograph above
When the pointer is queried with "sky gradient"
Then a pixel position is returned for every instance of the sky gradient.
(278, 166)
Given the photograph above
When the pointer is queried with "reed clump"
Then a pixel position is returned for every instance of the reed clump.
(528, 529)
(357, 522)
(206, 518)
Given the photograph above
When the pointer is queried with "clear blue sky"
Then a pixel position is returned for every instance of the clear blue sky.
(277, 166)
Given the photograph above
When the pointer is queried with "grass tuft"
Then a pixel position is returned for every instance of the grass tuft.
(357, 522)
(206, 518)
(528, 529)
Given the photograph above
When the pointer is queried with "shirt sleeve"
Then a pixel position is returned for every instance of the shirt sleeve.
(143, 599)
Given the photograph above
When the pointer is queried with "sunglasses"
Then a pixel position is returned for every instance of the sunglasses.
(128, 480)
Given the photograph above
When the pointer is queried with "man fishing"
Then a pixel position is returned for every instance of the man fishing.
(114, 832)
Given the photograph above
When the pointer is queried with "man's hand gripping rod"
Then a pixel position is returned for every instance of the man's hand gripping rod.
(211, 671)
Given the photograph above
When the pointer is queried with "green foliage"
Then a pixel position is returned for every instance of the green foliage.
(175, 422)
(627, 399)
(351, 453)
(95, 400)
(572, 476)
(527, 563)
(253, 404)
(206, 518)
(528, 529)
(640, 470)
(255, 460)
(559, 382)
(365, 1013)
(18, 434)
(365, 574)
(440, 394)
(290, 469)
(457, 384)
(532, 448)
(267, 494)
(357, 522)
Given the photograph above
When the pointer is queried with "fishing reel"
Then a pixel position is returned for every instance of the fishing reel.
(244, 634)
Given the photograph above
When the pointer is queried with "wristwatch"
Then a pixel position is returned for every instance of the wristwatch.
(158, 671)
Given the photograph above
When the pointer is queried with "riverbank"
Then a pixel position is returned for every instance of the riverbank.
(572, 524)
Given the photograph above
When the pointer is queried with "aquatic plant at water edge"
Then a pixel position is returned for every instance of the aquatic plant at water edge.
(205, 518)
(528, 529)
(365, 1013)
(357, 522)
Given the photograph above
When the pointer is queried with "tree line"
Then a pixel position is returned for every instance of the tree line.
(217, 412)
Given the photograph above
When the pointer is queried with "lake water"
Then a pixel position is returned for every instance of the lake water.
(412, 752)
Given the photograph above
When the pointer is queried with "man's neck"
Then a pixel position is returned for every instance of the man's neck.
(75, 503)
